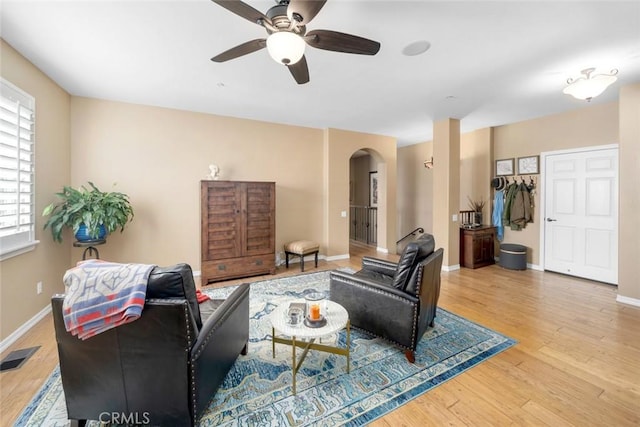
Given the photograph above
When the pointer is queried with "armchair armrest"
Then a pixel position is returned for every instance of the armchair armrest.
(225, 314)
(378, 265)
(340, 280)
(223, 336)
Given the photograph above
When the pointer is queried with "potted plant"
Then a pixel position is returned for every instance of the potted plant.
(476, 206)
(89, 212)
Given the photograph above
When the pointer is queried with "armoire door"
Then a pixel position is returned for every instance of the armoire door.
(259, 208)
(222, 205)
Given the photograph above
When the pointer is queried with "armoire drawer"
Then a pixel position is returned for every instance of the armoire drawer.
(237, 267)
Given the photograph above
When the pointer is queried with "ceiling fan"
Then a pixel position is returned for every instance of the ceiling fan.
(286, 25)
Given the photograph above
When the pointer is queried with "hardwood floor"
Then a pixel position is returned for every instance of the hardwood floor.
(577, 361)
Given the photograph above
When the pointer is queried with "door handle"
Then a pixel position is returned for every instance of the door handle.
(551, 219)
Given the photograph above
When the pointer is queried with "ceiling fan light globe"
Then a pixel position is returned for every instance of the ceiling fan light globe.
(285, 47)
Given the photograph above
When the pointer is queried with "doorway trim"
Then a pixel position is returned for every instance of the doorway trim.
(543, 162)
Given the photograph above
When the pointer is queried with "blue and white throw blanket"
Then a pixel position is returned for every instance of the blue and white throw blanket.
(102, 295)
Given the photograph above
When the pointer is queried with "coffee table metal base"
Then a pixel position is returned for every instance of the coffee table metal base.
(309, 345)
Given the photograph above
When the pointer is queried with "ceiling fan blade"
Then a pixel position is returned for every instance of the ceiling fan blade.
(240, 50)
(341, 42)
(300, 71)
(244, 10)
(303, 11)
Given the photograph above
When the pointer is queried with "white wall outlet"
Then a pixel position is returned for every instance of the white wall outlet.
(454, 217)
(343, 214)
(39, 288)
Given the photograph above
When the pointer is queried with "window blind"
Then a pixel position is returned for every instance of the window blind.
(17, 139)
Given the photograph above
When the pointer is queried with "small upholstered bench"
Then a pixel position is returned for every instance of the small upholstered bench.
(301, 248)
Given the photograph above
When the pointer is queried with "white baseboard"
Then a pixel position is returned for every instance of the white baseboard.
(335, 257)
(451, 267)
(23, 329)
(383, 250)
(627, 300)
(197, 274)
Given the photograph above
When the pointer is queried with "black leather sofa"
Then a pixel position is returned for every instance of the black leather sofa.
(396, 302)
(161, 369)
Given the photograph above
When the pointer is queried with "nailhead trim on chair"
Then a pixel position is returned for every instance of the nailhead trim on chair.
(414, 344)
(192, 369)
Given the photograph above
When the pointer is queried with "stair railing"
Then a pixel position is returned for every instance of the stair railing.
(413, 233)
(364, 224)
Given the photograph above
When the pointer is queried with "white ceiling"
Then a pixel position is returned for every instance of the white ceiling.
(490, 62)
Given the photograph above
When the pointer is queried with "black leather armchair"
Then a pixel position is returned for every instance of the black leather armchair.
(394, 301)
(161, 369)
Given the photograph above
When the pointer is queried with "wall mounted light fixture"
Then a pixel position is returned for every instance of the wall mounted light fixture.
(589, 85)
(429, 163)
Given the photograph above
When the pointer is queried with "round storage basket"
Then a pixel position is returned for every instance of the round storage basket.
(513, 257)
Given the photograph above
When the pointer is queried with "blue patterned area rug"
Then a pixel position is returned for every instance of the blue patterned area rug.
(257, 390)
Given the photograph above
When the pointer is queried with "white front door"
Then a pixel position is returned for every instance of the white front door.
(581, 214)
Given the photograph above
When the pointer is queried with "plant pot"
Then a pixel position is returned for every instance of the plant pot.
(82, 235)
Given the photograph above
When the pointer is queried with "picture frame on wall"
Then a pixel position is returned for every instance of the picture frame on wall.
(373, 189)
(504, 167)
(529, 165)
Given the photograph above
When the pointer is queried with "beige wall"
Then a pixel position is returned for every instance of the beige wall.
(415, 182)
(629, 154)
(48, 262)
(158, 157)
(415, 188)
(588, 126)
(339, 147)
(476, 169)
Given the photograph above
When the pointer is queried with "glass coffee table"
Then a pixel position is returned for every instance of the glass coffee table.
(305, 337)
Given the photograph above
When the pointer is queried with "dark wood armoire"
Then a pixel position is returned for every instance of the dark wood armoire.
(238, 229)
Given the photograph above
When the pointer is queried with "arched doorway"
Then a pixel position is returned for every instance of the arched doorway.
(340, 145)
(366, 180)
